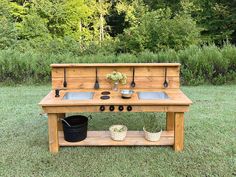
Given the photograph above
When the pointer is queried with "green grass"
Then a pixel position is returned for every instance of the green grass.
(210, 140)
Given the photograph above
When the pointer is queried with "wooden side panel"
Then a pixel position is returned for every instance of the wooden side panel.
(179, 131)
(145, 76)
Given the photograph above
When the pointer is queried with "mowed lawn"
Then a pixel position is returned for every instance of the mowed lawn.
(210, 140)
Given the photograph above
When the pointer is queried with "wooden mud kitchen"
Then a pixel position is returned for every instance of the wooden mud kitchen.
(72, 82)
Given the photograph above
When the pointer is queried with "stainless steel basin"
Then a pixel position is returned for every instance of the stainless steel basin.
(152, 96)
(78, 96)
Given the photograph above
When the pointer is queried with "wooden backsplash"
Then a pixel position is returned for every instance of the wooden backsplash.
(147, 75)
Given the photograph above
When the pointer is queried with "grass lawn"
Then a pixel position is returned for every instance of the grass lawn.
(210, 140)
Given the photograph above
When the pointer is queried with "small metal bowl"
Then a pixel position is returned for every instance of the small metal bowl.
(127, 93)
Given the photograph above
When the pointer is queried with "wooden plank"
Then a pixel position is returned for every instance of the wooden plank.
(141, 82)
(103, 71)
(133, 138)
(113, 64)
(53, 133)
(179, 131)
(170, 119)
(76, 109)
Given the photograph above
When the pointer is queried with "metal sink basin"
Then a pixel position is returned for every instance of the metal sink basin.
(78, 96)
(152, 96)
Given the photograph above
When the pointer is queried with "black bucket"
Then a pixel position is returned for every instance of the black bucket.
(77, 131)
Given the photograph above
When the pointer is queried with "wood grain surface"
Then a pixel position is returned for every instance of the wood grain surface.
(133, 138)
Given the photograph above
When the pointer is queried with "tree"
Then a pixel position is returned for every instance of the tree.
(102, 9)
(161, 29)
(8, 34)
(78, 20)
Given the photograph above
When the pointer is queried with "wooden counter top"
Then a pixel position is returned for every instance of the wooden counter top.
(177, 97)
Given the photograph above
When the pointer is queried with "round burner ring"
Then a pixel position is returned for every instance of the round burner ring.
(125, 97)
(105, 93)
(105, 97)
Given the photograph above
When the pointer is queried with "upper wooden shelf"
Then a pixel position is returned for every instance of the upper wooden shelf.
(114, 64)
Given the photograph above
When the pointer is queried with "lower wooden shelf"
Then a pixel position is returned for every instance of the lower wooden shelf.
(133, 138)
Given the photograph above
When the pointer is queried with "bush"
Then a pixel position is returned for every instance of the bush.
(207, 64)
(160, 30)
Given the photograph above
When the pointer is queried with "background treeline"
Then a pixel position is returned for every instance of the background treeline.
(207, 64)
(35, 33)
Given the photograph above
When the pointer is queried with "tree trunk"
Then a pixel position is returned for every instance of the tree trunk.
(80, 29)
(101, 31)
(101, 28)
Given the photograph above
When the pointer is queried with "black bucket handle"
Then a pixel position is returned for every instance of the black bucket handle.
(62, 119)
(66, 122)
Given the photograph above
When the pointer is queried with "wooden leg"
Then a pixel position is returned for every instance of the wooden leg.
(179, 131)
(170, 120)
(60, 115)
(53, 132)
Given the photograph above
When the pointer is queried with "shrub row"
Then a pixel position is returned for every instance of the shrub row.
(206, 64)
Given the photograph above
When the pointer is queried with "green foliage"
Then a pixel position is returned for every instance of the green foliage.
(153, 122)
(217, 20)
(7, 33)
(7, 30)
(229, 54)
(32, 26)
(160, 30)
(207, 64)
(93, 26)
(120, 129)
(35, 33)
(117, 76)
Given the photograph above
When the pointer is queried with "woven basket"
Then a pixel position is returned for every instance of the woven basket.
(152, 136)
(118, 136)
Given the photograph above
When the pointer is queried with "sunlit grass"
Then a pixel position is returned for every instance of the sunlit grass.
(210, 141)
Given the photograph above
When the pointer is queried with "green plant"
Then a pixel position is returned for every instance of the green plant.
(121, 129)
(117, 76)
(153, 122)
(199, 65)
(161, 30)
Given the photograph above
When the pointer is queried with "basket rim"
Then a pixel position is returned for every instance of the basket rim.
(151, 132)
(118, 125)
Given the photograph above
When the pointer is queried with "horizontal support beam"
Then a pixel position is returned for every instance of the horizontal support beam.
(70, 109)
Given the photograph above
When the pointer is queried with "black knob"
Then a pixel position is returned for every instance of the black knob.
(112, 108)
(129, 108)
(121, 108)
(102, 108)
(57, 93)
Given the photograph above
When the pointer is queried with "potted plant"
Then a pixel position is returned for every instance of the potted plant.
(152, 127)
(116, 78)
(118, 132)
